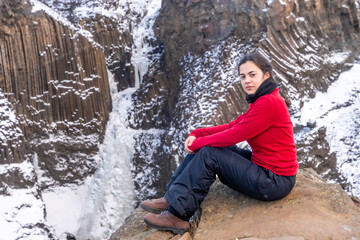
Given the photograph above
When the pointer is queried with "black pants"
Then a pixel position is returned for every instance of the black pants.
(191, 181)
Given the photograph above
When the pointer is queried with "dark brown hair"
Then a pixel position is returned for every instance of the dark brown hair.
(259, 60)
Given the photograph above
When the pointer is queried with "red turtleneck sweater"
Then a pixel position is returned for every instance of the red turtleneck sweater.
(266, 126)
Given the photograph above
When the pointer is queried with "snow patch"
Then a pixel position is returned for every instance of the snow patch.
(338, 57)
(65, 206)
(22, 211)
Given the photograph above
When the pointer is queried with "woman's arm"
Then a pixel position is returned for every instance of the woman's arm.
(257, 120)
(205, 132)
(202, 132)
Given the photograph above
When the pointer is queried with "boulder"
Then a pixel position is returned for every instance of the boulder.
(313, 210)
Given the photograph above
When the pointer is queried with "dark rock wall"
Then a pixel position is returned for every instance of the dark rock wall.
(200, 24)
(117, 47)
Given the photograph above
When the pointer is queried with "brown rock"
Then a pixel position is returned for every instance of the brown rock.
(313, 210)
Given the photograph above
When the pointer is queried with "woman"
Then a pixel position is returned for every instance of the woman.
(268, 172)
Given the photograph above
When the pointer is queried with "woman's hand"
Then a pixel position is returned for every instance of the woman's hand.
(188, 143)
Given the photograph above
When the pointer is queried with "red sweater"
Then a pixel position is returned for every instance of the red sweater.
(266, 126)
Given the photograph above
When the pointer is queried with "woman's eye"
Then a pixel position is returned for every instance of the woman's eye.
(252, 75)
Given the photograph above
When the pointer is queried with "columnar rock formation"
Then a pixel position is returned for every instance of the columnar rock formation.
(57, 84)
(117, 48)
(55, 100)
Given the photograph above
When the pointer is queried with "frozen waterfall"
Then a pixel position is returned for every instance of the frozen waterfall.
(97, 208)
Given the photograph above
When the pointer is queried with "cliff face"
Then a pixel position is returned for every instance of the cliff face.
(308, 42)
(313, 210)
(117, 45)
(56, 83)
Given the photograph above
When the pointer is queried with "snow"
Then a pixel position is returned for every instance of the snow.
(338, 110)
(65, 206)
(18, 210)
(39, 6)
(21, 210)
(338, 57)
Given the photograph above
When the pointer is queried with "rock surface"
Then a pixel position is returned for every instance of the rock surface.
(313, 210)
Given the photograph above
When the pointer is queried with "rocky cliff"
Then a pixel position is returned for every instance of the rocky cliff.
(309, 43)
(56, 82)
(313, 210)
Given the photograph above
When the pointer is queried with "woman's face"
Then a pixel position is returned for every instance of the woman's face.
(251, 77)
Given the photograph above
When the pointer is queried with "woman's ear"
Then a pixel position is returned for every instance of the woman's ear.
(267, 75)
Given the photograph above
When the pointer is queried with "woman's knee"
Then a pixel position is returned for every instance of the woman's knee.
(206, 149)
(209, 155)
(213, 150)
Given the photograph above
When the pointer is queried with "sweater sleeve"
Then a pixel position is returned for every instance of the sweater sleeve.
(256, 121)
(201, 132)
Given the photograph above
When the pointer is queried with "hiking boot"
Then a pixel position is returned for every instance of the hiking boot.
(155, 206)
(167, 221)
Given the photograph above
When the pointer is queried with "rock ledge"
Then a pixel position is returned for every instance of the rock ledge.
(313, 210)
